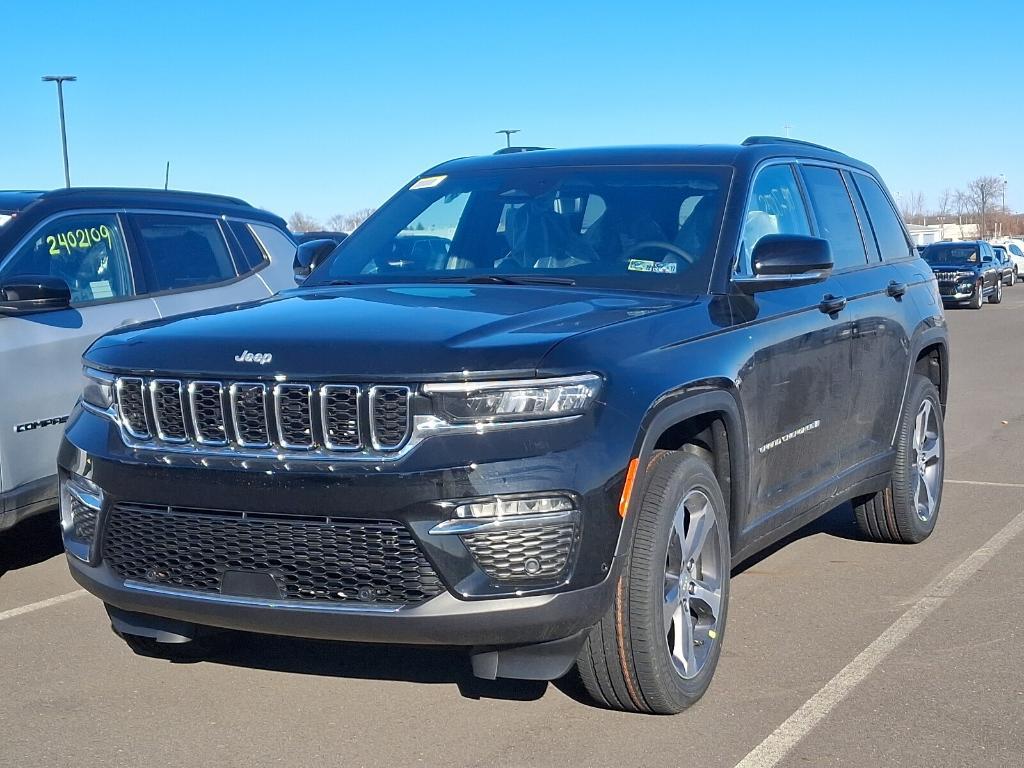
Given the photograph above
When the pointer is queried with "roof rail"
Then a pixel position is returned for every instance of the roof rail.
(514, 150)
(158, 193)
(752, 141)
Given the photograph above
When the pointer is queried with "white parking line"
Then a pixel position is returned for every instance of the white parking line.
(982, 482)
(783, 739)
(10, 614)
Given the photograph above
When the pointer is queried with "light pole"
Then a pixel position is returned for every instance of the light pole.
(508, 135)
(60, 80)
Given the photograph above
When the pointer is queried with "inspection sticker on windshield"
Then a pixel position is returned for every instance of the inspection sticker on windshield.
(428, 182)
(642, 265)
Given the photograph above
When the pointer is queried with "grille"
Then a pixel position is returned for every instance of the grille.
(309, 559)
(536, 553)
(132, 404)
(84, 520)
(249, 410)
(390, 406)
(293, 403)
(340, 416)
(206, 399)
(290, 416)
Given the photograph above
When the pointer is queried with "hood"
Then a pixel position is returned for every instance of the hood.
(374, 332)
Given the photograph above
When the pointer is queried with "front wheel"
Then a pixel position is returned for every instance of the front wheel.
(656, 649)
(979, 296)
(906, 510)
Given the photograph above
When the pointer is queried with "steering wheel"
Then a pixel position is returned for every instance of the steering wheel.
(662, 245)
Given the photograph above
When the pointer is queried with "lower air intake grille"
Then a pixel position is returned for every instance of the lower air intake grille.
(523, 553)
(310, 559)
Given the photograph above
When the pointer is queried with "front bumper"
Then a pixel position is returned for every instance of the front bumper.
(472, 610)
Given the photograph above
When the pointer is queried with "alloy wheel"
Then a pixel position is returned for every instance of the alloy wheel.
(693, 584)
(927, 460)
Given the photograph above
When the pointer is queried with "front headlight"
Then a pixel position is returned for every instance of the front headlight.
(507, 401)
(98, 390)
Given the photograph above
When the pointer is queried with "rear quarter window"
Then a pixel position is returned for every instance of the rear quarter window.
(251, 254)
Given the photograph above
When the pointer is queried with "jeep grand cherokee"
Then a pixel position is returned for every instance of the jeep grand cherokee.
(547, 441)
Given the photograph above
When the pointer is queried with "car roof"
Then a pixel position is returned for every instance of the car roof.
(12, 200)
(750, 152)
(123, 197)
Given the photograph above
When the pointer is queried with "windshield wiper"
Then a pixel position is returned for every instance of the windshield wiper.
(509, 279)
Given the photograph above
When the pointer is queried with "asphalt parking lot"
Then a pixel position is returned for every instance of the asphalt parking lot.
(839, 651)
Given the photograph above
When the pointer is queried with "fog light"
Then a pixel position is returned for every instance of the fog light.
(80, 503)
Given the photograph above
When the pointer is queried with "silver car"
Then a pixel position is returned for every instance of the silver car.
(76, 263)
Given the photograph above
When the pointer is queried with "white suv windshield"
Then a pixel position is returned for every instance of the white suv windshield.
(647, 228)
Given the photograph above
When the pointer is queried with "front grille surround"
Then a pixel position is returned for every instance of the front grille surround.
(256, 418)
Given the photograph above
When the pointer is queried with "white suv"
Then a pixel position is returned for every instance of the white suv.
(76, 263)
(1015, 248)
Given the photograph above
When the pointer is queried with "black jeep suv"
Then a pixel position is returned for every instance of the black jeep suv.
(967, 272)
(626, 371)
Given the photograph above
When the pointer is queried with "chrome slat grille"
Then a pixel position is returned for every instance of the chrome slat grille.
(389, 408)
(311, 419)
(168, 410)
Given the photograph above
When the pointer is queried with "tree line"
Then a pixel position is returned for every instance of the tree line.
(339, 222)
(981, 202)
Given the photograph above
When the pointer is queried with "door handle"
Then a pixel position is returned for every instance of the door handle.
(831, 304)
(896, 290)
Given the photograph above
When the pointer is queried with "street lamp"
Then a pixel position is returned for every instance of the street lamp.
(508, 135)
(60, 80)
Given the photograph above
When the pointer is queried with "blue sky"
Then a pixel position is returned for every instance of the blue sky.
(327, 107)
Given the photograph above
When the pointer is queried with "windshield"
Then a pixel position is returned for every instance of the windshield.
(951, 254)
(641, 228)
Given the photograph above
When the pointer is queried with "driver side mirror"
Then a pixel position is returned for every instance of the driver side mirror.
(785, 261)
(309, 256)
(28, 294)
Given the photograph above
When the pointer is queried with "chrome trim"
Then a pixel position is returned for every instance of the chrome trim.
(233, 397)
(257, 602)
(195, 422)
(406, 433)
(84, 496)
(278, 388)
(153, 385)
(325, 390)
(119, 384)
(798, 278)
(513, 522)
(477, 386)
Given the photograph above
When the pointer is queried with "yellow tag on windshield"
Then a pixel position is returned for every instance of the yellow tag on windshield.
(428, 182)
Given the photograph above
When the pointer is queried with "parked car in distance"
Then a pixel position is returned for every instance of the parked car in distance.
(1015, 248)
(76, 263)
(632, 369)
(1007, 269)
(966, 271)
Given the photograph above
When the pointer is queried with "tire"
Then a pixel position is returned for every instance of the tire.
(894, 515)
(182, 653)
(996, 297)
(979, 296)
(1012, 279)
(626, 663)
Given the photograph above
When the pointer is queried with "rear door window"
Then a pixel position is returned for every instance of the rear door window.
(87, 251)
(889, 232)
(833, 211)
(182, 252)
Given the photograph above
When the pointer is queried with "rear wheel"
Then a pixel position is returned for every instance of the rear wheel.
(997, 293)
(656, 649)
(906, 510)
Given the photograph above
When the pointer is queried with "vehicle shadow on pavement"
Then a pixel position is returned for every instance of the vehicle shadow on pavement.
(414, 664)
(839, 523)
(30, 542)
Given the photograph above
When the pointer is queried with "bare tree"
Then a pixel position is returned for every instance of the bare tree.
(337, 223)
(962, 204)
(917, 206)
(984, 193)
(300, 222)
(353, 220)
(945, 199)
